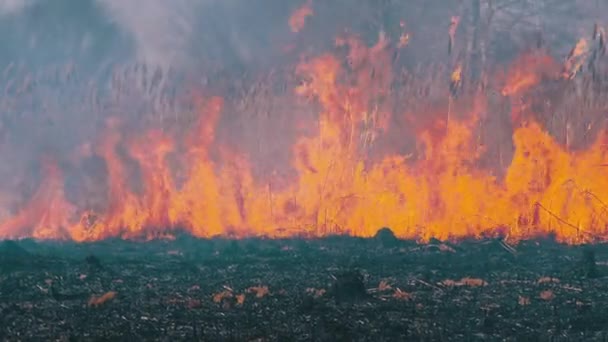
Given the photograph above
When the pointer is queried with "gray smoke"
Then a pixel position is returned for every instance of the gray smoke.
(8, 7)
(161, 30)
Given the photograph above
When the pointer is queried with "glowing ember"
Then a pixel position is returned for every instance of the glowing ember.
(97, 301)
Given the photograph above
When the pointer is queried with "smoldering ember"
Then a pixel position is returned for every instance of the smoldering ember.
(277, 170)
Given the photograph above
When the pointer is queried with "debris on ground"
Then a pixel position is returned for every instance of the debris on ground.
(96, 301)
(323, 289)
(386, 238)
(348, 286)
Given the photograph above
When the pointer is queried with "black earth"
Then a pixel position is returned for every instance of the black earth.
(332, 289)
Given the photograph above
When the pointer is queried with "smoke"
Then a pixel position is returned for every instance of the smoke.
(161, 30)
(156, 32)
(8, 7)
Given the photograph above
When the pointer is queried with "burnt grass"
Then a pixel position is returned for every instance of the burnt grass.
(332, 289)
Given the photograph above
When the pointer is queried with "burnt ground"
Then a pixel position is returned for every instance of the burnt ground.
(333, 289)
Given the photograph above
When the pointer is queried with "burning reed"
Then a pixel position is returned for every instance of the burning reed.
(366, 143)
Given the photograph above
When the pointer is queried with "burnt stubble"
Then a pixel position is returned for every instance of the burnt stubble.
(338, 288)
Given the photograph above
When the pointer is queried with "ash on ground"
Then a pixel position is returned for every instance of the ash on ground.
(333, 289)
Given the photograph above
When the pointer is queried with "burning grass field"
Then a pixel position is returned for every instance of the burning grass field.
(482, 122)
(330, 289)
(355, 133)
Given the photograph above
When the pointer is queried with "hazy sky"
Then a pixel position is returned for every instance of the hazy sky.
(182, 33)
(159, 30)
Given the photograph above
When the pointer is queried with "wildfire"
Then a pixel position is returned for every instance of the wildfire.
(162, 180)
(527, 72)
(298, 18)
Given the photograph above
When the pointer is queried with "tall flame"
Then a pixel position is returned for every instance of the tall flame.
(163, 180)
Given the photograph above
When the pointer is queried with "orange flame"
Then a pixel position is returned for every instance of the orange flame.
(527, 72)
(298, 18)
(338, 188)
(576, 59)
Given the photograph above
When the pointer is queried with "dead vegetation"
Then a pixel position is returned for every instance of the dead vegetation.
(320, 290)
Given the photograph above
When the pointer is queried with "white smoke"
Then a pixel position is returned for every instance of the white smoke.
(161, 29)
(8, 7)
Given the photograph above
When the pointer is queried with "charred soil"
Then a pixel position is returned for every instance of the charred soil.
(332, 289)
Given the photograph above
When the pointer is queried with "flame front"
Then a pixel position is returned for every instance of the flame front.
(347, 179)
